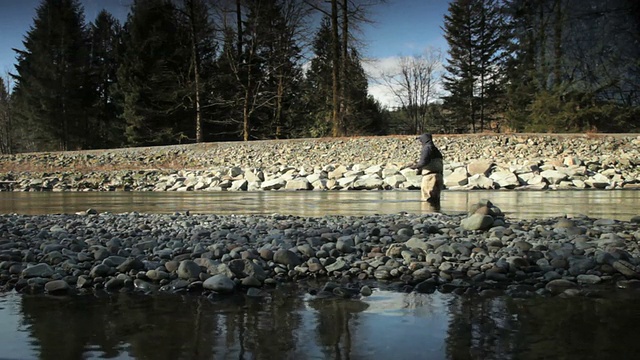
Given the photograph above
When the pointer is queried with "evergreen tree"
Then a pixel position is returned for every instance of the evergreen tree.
(573, 65)
(521, 72)
(475, 33)
(105, 47)
(51, 90)
(318, 83)
(196, 21)
(361, 114)
(266, 67)
(150, 78)
(273, 27)
(226, 91)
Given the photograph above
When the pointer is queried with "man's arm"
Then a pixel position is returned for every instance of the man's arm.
(425, 158)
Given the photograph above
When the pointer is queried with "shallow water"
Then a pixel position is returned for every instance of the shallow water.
(616, 204)
(292, 325)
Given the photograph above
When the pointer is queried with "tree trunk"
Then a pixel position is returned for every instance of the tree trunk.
(344, 101)
(278, 114)
(196, 72)
(557, 43)
(335, 56)
(239, 25)
(245, 114)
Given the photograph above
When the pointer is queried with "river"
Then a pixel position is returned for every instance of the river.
(291, 324)
(616, 204)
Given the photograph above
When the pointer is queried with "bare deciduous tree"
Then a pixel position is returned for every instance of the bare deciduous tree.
(414, 84)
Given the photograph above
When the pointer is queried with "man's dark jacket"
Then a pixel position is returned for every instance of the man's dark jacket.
(429, 151)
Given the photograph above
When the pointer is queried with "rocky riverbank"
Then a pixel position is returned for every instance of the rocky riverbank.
(517, 161)
(209, 254)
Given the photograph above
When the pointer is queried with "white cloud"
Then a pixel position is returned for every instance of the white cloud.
(375, 68)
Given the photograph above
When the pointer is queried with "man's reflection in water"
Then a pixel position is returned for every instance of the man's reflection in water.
(337, 320)
(430, 207)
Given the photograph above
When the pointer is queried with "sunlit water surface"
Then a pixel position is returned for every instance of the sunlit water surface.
(617, 204)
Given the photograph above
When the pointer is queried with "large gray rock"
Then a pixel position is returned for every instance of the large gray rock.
(479, 181)
(273, 184)
(57, 287)
(239, 185)
(286, 257)
(298, 184)
(477, 222)
(395, 180)
(553, 176)
(625, 268)
(479, 167)
(598, 181)
(130, 264)
(559, 286)
(100, 270)
(188, 269)
(458, 177)
(337, 173)
(339, 265)
(369, 182)
(39, 270)
(345, 244)
(506, 179)
(417, 243)
(219, 283)
(346, 182)
(242, 268)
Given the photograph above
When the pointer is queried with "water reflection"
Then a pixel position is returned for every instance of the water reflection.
(291, 326)
(160, 327)
(617, 204)
(557, 328)
(336, 321)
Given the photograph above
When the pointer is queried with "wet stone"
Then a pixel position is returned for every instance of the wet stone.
(57, 287)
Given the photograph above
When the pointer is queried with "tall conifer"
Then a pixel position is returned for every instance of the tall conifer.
(52, 85)
(150, 81)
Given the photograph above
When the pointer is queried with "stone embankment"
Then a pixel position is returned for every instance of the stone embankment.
(208, 254)
(367, 163)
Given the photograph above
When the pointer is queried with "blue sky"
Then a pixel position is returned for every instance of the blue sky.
(401, 27)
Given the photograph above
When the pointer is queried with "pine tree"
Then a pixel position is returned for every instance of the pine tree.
(150, 78)
(573, 65)
(360, 113)
(105, 48)
(226, 91)
(266, 67)
(521, 65)
(197, 23)
(319, 84)
(474, 32)
(51, 90)
(278, 24)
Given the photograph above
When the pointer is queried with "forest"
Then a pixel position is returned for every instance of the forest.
(188, 71)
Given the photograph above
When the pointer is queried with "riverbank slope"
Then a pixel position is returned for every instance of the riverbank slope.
(478, 161)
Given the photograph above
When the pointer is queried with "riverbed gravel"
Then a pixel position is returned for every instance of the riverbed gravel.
(476, 252)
